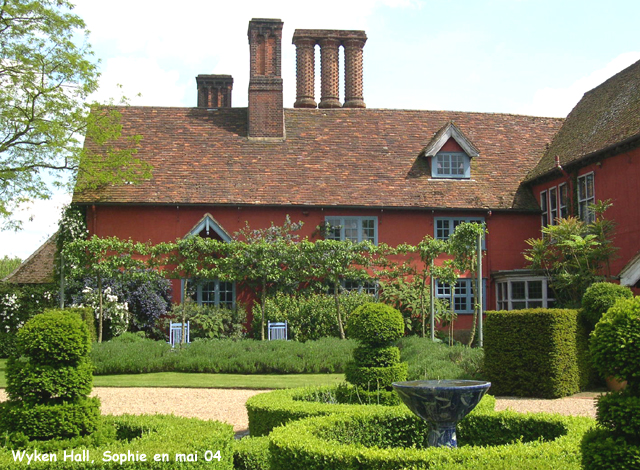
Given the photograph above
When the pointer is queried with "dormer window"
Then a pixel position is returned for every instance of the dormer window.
(451, 165)
(450, 152)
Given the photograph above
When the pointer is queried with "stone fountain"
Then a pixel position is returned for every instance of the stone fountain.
(441, 403)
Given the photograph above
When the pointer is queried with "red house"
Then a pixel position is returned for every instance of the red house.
(596, 156)
(383, 175)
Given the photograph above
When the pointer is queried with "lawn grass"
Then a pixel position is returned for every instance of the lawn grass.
(186, 380)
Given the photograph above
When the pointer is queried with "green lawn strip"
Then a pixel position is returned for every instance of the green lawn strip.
(187, 380)
(192, 380)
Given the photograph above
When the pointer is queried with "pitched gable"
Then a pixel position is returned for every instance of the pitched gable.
(607, 116)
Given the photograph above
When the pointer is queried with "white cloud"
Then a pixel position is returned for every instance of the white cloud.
(560, 101)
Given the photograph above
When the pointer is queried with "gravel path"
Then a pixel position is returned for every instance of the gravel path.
(228, 404)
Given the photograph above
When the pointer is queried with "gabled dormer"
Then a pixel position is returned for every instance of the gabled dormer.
(450, 153)
(208, 227)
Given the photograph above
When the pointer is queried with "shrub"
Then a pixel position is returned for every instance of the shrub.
(269, 410)
(602, 450)
(392, 438)
(207, 321)
(312, 316)
(535, 353)
(615, 350)
(49, 384)
(430, 360)
(251, 453)
(599, 298)
(376, 363)
(615, 342)
(375, 324)
(328, 355)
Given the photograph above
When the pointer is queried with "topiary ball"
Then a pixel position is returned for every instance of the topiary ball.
(615, 342)
(375, 324)
(599, 298)
(54, 338)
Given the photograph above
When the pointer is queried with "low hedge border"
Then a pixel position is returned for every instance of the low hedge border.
(269, 410)
(335, 442)
(144, 434)
(252, 453)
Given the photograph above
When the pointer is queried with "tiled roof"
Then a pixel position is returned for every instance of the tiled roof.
(605, 116)
(37, 268)
(330, 157)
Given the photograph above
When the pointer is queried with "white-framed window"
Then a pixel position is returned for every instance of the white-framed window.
(214, 293)
(563, 200)
(356, 229)
(445, 226)
(524, 292)
(451, 165)
(366, 287)
(463, 295)
(586, 197)
(544, 208)
(553, 205)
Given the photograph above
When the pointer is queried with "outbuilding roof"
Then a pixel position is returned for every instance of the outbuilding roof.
(605, 118)
(329, 157)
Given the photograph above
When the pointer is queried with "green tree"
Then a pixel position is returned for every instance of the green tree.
(269, 260)
(331, 261)
(573, 254)
(46, 77)
(464, 244)
(8, 265)
(105, 258)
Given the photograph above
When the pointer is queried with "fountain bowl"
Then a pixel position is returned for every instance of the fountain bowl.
(441, 403)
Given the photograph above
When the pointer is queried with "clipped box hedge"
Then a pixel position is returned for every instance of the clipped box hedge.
(390, 438)
(137, 435)
(269, 410)
(536, 353)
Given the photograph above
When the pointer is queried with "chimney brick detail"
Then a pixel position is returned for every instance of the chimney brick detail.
(214, 91)
(330, 41)
(265, 114)
(305, 72)
(353, 73)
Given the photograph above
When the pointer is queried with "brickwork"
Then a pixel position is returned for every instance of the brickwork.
(305, 72)
(329, 70)
(353, 88)
(265, 114)
(330, 41)
(214, 91)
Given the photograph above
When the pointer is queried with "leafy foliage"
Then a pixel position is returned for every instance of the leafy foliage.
(47, 74)
(600, 297)
(615, 343)
(8, 265)
(49, 383)
(573, 254)
(209, 322)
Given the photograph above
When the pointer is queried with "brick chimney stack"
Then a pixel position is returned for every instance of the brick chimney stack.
(214, 91)
(330, 41)
(266, 115)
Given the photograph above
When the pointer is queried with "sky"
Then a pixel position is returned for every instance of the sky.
(535, 57)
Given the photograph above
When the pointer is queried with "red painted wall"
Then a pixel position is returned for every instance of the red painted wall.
(616, 178)
(504, 242)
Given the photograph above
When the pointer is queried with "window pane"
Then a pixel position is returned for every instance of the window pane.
(518, 290)
(351, 229)
(368, 230)
(589, 186)
(333, 233)
(535, 289)
(518, 305)
(226, 294)
(208, 293)
(535, 304)
(442, 229)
